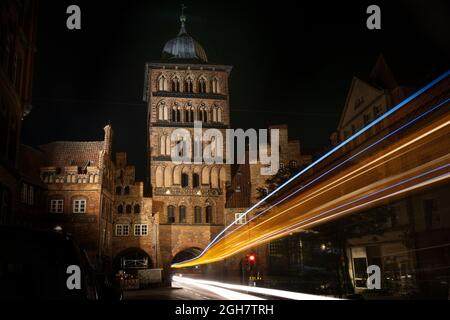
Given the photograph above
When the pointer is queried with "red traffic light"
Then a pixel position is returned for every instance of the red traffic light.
(251, 257)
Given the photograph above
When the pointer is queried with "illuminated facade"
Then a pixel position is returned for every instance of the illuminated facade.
(180, 89)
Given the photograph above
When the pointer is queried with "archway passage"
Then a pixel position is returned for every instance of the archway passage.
(186, 254)
(132, 259)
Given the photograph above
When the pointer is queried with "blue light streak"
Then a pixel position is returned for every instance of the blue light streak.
(329, 153)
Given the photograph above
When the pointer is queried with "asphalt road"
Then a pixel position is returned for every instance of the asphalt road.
(168, 293)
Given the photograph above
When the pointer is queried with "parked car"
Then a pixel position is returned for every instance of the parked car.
(34, 266)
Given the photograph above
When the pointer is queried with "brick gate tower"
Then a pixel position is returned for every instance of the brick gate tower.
(181, 88)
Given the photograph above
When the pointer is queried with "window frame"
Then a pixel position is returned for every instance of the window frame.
(56, 206)
(122, 232)
(78, 208)
(140, 230)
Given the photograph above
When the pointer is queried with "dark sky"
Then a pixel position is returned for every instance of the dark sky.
(292, 63)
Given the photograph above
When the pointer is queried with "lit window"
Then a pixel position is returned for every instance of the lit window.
(56, 206)
(140, 229)
(240, 219)
(79, 206)
(122, 230)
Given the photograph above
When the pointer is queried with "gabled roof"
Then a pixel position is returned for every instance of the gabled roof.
(72, 153)
(347, 106)
(381, 75)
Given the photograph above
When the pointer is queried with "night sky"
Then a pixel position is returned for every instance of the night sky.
(292, 64)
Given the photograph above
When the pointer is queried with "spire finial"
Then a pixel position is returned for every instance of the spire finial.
(182, 19)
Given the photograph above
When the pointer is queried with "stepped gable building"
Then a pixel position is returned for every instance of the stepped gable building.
(79, 182)
(135, 241)
(181, 88)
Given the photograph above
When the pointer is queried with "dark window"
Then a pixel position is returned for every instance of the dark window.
(119, 191)
(170, 214)
(175, 85)
(182, 214)
(188, 86)
(195, 180)
(127, 190)
(174, 115)
(184, 180)
(429, 207)
(208, 214)
(197, 215)
(128, 209)
(202, 86)
(137, 208)
(120, 209)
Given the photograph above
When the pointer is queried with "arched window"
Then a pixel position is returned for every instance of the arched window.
(128, 208)
(182, 214)
(219, 115)
(162, 83)
(120, 209)
(178, 115)
(170, 214)
(209, 214)
(118, 191)
(203, 115)
(184, 180)
(174, 114)
(197, 215)
(215, 85)
(160, 112)
(202, 85)
(162, 146)
(127, 190)
(195, 180)
(166, 113)
(159, 177)
(176, 84)
(137, 208)
(186, 116)
(191, 115)
(188, 85)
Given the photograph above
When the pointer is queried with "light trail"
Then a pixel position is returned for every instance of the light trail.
(301, 226)
(227, 294)
(215, 286)
(346, 181)
(336, 148)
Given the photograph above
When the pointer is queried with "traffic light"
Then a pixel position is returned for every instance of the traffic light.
(251, 258)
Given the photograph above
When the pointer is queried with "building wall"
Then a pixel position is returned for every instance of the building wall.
(131, 208)
(81, 171)
(186, 188)
(17, 48)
